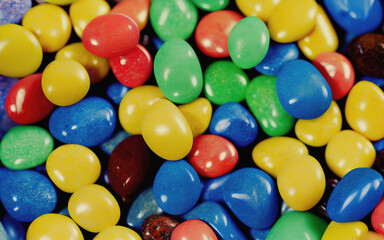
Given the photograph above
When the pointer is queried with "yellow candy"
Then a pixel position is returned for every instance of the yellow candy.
(257, 8)
(166, 131)
(349, 150)
(50, 24)
(134, 106)
(344, 231)
(117, 233)
(96, 67)
(61, 2)
(323, 37)
(65, 82)
(20, 51)
(53, 226)
(292, 20)
(82, 12)
(73, 166)
(198, 114)
(94, 208)
(371, 236)
(319, 131)
(364, 110)
(271, 153)
(301, 182)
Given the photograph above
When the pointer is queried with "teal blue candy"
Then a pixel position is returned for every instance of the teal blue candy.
(3, 233)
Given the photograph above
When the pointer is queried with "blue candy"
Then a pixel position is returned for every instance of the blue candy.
(157, 42)
(258, 234)
(378, 81)
(219, 220)
(235, 123)
(89, 122)
(379, 145)
(65, 212)
(176, 187)
(15, 229)
(3, 233)
(213, 189)
(116, 91)
(27, 195)
(12, 11)
(302, 90)
(357, 16)
(6, 85)
(252, 196)
(144, 206)
(109, 145)
(278, 54)
(356, 195)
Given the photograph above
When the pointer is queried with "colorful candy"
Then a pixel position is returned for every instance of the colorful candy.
(138, 10)
(193, 229)
(117, 232)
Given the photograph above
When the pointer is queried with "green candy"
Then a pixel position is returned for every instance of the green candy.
(263, 102)
(178, 72)
(173, 18)
(248, 42)
(25, 147)
(211, 5)
(224, 82)
(298, 226)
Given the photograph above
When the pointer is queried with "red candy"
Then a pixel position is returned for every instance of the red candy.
(128, 166)
(158, 227)
(26, 102)
(133, 69)
(212, 156)
(337, 70)
(138, 10)
(377, 217)
(111, 35)
(193, 229)
(213, 30)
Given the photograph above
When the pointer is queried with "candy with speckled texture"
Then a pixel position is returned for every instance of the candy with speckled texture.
(158, 227)
(12, 11)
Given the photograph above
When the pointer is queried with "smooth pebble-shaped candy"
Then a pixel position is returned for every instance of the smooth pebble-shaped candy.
(54, 226)
(176, 187)
(378, 81)
(25, 147)
(252, 196)
(6, 122)
(73, 166)
(3, 233)
(193, 229)
(319, 131)
(94, 208)
(364, 110)
(15, 229)
(298, 226)
(116, 233)
(212, 189)
(158, 227)
(356, 195)
(258, 234)
(144, 206)
(166, 131)
(302, 90)
(198, 114)
(12, 11)
(371, 235)
(263, 102)
(138, 10)
(258, 8)
(116, 92)
(377, 217)
(27, 194)
(89, 122)
(348, 230)
(248, 42)
(211, 5)
(180, 24)
(235, 123)
(212, 156)
(289, 23)
(26, 102)
(218, 218)
(60, 2)
(111, 143)
(301, 182)
(178, 72)
(278, 54)
(348, 150)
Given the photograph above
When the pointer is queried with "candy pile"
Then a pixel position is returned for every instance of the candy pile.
(191, 119)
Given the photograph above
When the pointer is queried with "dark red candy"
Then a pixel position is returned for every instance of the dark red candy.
(367, 54)
(26, 102)
(111, 35)
(128, 166)
(158, 227)
(133, 69)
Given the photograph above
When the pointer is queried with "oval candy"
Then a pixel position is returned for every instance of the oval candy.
(211, 5)
(117, 232)
(158, 227)
(377, 217)
(258, 8)
(138, 10)
(15, 229)
(116, 92)
(348, 230)
(192, 230)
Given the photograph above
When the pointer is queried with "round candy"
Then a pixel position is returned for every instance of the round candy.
(198, 114)
(193, 229)
(72, 166)
(111, 35)
(94, 208)
(96, 67)
(20, 52)
(211, 5)
(116, 233)
(12, 11)
(25, 147)
(258, 8)
(348, 230)
(138, 10)
(65, 82)
(26, 102)
(81, 12)
(54, 226)
(248, 42)
(158, 227)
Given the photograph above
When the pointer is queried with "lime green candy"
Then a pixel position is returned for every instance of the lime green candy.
(263, 102)
(25, 147)
(248, 42)
(298, 226)
(178, 72)
(225, 82)
(211, 5)
(173, 18)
